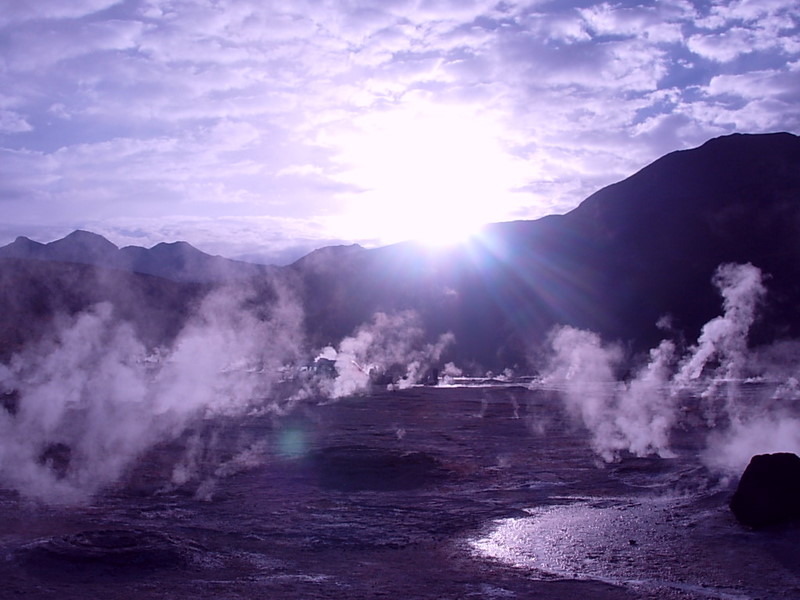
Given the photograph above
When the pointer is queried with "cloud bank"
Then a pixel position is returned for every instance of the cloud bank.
(203, 120)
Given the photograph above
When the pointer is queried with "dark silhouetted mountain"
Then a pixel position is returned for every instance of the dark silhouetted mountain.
(81, 247)
(22, 247)
(632, 253)
(178, 261)
(181, 261)
(636, 251)
(35, 294)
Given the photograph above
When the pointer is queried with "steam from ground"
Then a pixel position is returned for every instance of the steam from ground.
(390, 347)
(450, 372)
(633, 415)
(92, 399)
(78, 409)
(638, 415)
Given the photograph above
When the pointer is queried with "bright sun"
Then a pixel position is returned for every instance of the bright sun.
(429, 173)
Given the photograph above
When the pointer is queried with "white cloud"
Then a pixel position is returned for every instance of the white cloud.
(44, 44)
(748, 11)
(768, 114)
(567, 28)
(736, 28)
(14, 11)
(654, 24)
(24, 174)
(13, 122)
(272, 240)
(757, 85)
(149, 109)
(723, 46)
(306, 169)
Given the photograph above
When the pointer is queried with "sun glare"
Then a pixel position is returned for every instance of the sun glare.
(432, 173)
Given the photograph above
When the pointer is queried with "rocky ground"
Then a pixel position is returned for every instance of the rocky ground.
(425, 493)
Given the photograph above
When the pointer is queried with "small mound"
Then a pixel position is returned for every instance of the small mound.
(117, 549)
(361, 468)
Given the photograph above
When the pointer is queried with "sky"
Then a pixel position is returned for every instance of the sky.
(264, 129)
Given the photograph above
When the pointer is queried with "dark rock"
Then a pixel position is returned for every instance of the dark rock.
(769, 491)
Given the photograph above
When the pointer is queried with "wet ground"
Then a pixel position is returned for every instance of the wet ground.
(425, 493)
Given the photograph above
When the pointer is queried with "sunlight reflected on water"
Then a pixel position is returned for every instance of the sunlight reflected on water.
(621, 541)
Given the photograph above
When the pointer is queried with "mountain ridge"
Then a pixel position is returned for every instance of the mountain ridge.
(177, 261)
(633, 252)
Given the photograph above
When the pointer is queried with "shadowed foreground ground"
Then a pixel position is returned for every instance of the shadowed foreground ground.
(427, 493)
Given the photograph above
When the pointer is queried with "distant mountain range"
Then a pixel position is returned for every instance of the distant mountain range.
(630, 254)
(178, 261)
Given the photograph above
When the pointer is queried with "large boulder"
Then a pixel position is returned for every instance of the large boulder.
(769, 491)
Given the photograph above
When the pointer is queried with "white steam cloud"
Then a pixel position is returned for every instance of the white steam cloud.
(92, 399)
(80, 408)
(638, 415)
(77, 410)
(390, 348)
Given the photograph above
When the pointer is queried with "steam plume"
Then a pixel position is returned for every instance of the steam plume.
(92, 398)
(391, 344)
(584, 370)
(638, 415)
